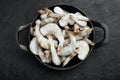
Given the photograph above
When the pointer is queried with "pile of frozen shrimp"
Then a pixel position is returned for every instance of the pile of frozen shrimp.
(58, 36)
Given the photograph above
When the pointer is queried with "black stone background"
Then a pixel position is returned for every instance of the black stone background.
(15, 64)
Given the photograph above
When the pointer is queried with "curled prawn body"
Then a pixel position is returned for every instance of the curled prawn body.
(83, 49)
(70, 48)
(55, 58)
(43, 42)
(54, 29)
(36, 49)
(34, 46)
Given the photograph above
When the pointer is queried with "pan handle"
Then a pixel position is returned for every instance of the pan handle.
(105, 29)
(20, 29)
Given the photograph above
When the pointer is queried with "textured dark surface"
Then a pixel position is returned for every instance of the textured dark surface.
(15, 64)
